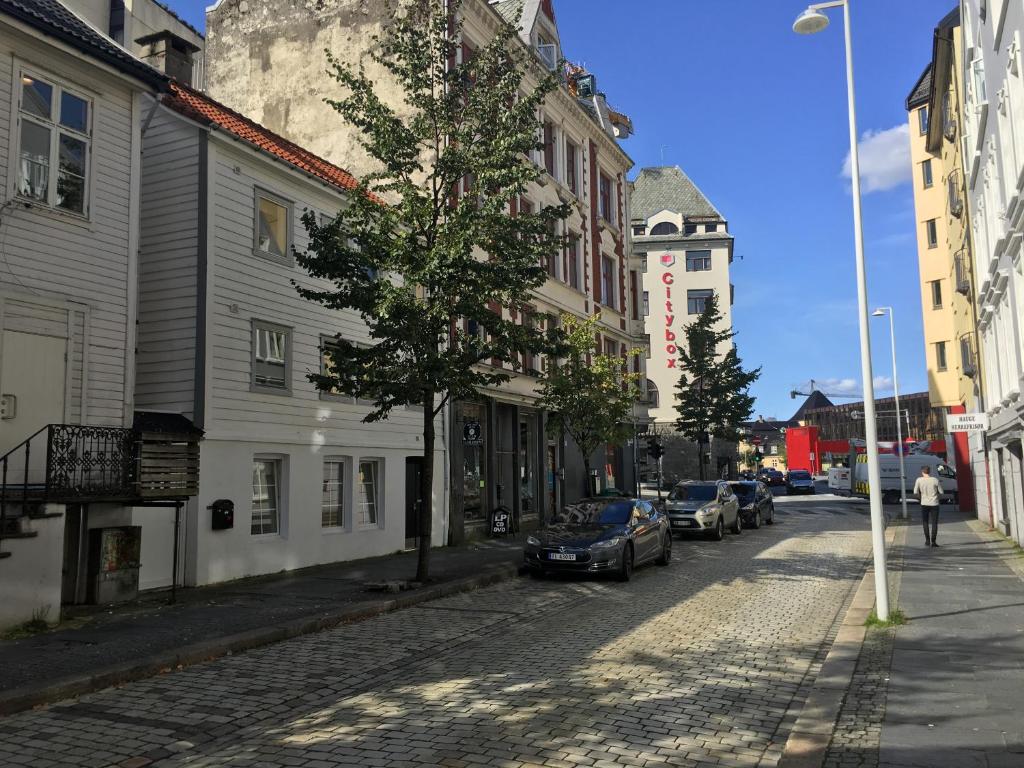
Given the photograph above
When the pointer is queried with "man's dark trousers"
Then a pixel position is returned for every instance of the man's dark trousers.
(930, 514)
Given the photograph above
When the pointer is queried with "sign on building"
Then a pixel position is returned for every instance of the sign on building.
(966, 422)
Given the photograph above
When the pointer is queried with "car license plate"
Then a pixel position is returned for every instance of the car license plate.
(561, 556)
(683, 523)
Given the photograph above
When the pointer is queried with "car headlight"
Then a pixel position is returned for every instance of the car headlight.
(607, 543)
(532, 541)
(705, 512)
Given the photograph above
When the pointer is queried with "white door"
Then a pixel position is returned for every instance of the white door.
(32, 382)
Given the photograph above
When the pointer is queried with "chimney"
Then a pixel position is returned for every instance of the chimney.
(169, 53)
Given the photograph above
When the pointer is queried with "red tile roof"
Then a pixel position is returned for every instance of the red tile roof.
(201, 108)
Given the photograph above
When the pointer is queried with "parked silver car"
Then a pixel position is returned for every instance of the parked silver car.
(704, 507)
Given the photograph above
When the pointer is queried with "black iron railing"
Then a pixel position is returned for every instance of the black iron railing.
(962, 266)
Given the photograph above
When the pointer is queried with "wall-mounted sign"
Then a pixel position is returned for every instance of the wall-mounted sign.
(966, 422)
(472, 433)
(670, 336)
(668, 259)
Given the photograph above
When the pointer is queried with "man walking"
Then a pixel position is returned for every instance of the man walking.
(929, 491)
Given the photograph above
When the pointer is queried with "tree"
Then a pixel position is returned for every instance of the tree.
(589, 395)
(426, 250)
(712, 394)
(748, 458)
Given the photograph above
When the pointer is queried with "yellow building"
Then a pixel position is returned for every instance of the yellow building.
(935, 110)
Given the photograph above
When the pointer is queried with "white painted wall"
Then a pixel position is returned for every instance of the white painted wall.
(30, 580)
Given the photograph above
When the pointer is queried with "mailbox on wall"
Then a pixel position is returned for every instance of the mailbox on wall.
(222, 514)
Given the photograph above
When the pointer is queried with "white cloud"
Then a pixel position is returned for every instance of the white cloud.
(884, 159)
(851, 387)
(883, 384)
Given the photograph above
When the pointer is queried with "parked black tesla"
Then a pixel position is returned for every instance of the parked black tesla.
(601, 535)
(756, 503)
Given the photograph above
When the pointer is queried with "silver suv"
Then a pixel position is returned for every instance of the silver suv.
(704, 507)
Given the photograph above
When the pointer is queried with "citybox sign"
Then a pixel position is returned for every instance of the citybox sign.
(668, 260)
(966, 422)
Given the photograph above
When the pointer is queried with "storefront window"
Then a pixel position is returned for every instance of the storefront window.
(609, 467)
(474, 421)
(528, 464)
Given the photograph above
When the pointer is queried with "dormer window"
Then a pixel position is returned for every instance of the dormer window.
(548, 52)
(664, 228)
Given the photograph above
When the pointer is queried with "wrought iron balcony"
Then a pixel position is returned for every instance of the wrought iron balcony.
(962, 268)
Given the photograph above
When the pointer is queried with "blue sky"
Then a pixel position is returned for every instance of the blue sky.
(756, 116)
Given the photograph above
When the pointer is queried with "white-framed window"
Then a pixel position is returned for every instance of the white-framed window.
(332, 508)
(368, 493)
(54, 144)
(572, 259)
(271, 358)
(932, 232)
(266, 496)
(926, 173)
(922, 120)
(647, 303)
(272, 238)
(940, 356)
(698, 261)
(572, 166)
(697, 300)
(936, 288)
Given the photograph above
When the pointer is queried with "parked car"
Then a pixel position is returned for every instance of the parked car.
(756, 503)
(704, 507)
(799, 481)
(771, 477)
(601, 535)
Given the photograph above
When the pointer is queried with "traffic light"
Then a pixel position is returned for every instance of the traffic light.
(654, 448)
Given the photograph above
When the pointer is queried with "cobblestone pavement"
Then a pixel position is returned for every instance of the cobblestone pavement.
(693, 664)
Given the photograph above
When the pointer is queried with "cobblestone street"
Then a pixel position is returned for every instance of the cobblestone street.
(693, 664)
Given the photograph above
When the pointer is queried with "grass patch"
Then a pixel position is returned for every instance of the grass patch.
(28, 629)
(896, 618)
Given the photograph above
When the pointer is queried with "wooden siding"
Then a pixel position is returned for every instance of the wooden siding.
(55, 257)
(168, 266)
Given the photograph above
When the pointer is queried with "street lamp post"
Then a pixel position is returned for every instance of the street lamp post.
(882, 312)
(810, 21)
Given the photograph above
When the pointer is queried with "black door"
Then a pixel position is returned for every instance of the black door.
(413, 500)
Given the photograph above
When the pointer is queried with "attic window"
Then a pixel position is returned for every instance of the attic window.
(664, 228)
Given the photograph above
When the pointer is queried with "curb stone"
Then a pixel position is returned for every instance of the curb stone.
(811, 735)
(27, 697)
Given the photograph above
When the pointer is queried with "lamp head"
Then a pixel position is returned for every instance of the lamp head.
(878, 313)
(810, 21)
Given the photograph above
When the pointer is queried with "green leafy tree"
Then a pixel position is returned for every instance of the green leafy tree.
(588, 395)
(426, 250)
(712, 394)
(748, 458)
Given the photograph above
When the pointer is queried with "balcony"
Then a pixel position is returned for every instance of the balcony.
(954, 186)
(968, 360)
(962, 269)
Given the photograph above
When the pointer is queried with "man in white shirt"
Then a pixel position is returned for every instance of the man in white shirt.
(929, 490)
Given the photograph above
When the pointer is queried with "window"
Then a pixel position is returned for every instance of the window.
(549, 148)
(271, 357)
(54, 146)
(332, 509)
(710, 227)
(266, 496)
(573, 260)
(933, 233)
(697, 300)
(936, 286)
(608, 282)
(922, 119)
(273, 228)
(634, 291)
(647, 303)
(690, 229)
(940, 355)
(664, 228)
(368, 493)
(652, 394)
(698, 261)
(639, 230)
(572, 173)
(926, 173)
(605, 201)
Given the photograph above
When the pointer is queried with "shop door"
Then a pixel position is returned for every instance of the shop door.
(32, 384)
(413, 500)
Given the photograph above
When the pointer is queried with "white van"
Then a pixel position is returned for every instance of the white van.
(844, 481)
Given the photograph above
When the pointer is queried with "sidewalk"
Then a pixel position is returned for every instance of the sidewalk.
(100, 646)
(956, 686)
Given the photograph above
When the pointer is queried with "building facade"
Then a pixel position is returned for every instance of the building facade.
(501, 454)
(992, 142)
(945, 261)
(682, 251)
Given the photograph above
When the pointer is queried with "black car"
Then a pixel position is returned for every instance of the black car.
(771, 477)
(601, 535)
(756, 503)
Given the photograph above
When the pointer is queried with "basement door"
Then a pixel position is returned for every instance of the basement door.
(32, 383)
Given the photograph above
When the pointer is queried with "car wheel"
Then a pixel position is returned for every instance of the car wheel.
(666, 550)
(757, 519)
(718, 532)
(626, 567)
(737, 527)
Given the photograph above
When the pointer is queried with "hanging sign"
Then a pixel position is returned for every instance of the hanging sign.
(472, 433)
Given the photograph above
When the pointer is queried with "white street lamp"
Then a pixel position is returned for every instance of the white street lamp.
(882, 312)
(810, 21)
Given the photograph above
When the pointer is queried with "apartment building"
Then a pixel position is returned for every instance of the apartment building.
(934, 109)
(992, 142)
(682, 250)
(501, 454)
